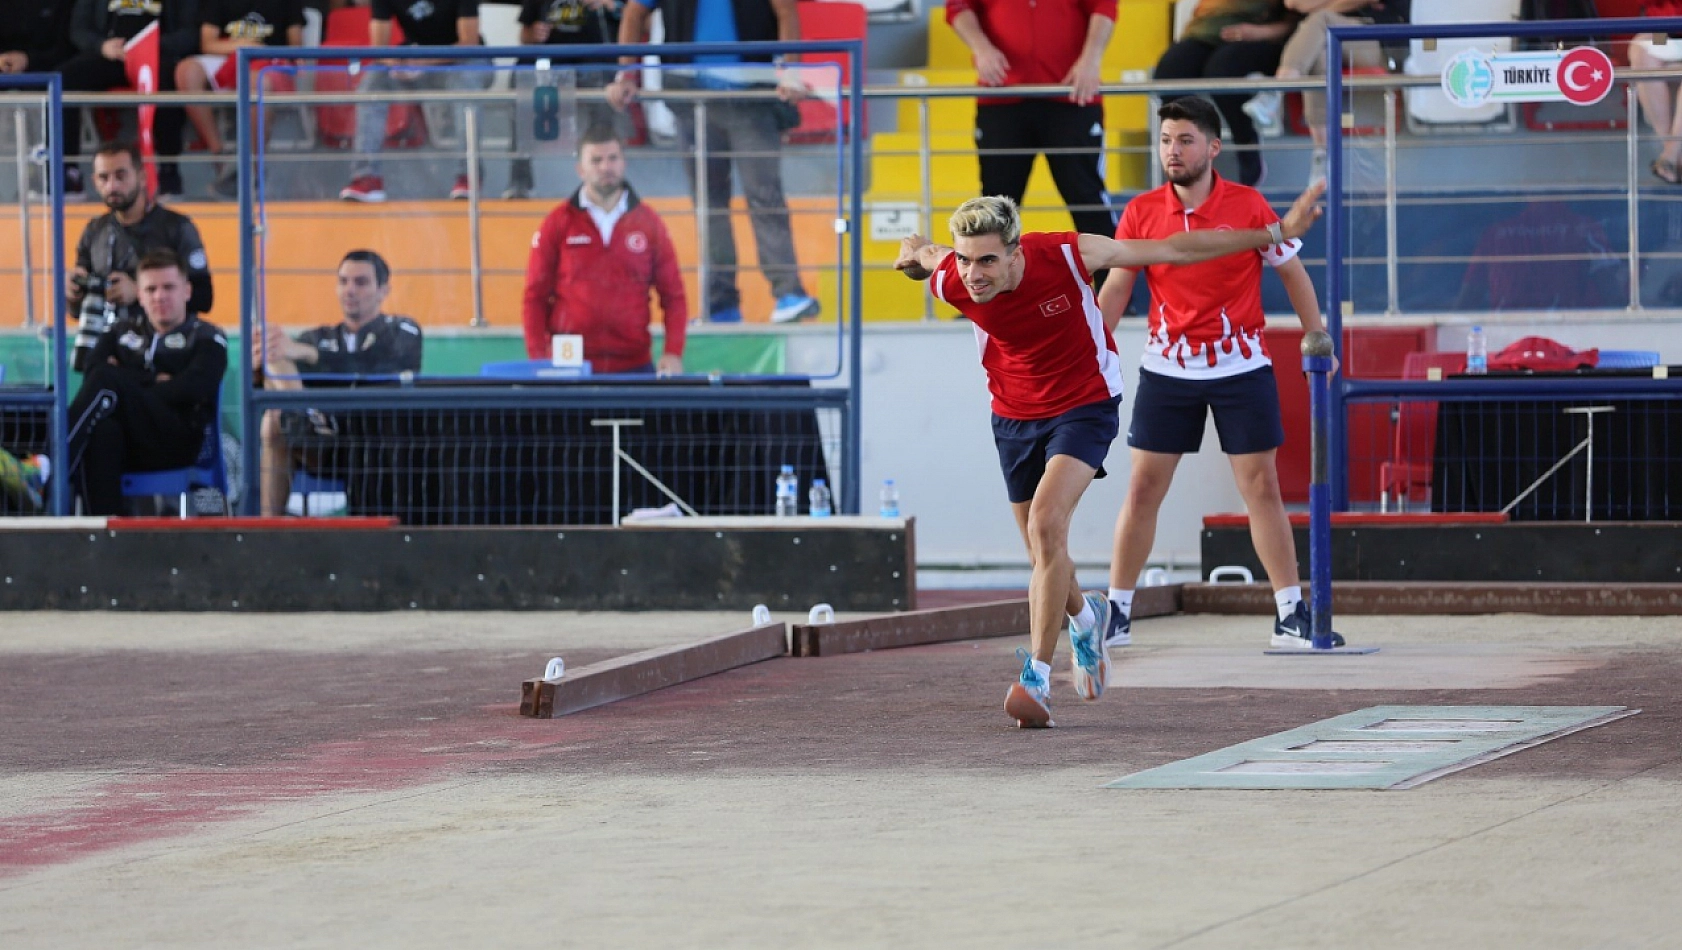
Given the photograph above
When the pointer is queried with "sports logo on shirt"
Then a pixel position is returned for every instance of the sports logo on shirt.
(175, 341)
(637, 242)
(1056, 305)
(578, 239)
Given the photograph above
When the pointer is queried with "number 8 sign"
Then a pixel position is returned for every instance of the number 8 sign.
(547, 103)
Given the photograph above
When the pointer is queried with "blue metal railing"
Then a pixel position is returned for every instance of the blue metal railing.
(849, 224)
(55, 397)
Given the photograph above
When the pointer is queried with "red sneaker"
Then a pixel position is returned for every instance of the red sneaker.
(460, 191)
(365, 188)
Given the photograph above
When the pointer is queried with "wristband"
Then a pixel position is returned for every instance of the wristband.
(1275, 233)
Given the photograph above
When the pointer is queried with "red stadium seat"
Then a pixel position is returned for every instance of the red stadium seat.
(1407, 475)
(820, 119)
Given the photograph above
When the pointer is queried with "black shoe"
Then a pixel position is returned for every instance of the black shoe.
(1297, 630)
(169, 183)
(72, 182)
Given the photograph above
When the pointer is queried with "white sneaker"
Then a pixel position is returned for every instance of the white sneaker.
(1317, 169)
(1265, 109)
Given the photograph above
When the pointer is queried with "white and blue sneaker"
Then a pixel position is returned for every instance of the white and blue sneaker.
(1120, 632)
(1091, 653)
(791, 307)
(1029, 699)
(1297, 630)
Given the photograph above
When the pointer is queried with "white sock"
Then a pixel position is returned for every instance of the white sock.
(1287, 600)
(1044, 671)
(1123, 600)
(1087, 616)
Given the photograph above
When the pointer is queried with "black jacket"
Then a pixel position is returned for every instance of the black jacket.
(39, 29)
(194, 355)
(178, 25)
(107, 245)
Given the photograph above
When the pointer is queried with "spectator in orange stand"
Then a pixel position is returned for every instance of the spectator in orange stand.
(593, 262)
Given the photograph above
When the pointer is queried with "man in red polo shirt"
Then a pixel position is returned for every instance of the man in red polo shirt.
(1205, 354)
(1055, 379)
(1051, 43)
(593, 262)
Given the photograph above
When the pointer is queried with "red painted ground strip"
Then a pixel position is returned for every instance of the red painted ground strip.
(1368, 519)
(380, 523)
(150, 807)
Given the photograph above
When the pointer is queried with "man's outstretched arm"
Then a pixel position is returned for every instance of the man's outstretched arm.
(918, 257)
(1189, 247)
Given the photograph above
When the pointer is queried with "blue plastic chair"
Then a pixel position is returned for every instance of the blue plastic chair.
(1627, 359)
(305, 484)
(209, 470)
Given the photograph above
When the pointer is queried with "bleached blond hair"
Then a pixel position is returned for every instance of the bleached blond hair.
(991, 215)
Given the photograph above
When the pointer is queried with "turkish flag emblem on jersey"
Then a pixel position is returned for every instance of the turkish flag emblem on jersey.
(1055, 306)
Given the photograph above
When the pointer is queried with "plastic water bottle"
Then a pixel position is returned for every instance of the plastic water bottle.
(890, 500)
(818, 498)
(788, 493)
(1477, 352)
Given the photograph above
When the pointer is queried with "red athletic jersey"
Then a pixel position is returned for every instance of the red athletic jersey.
(1041, 39)
(1206, 319)
(577, 284)
(1044, 345)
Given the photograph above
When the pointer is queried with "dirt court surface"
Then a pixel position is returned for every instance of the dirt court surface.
(363, 780)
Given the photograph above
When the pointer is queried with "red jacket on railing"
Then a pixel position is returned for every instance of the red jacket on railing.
(1538, 354)
(575, 283)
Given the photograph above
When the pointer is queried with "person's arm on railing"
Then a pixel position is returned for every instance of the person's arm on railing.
(990, 63)
(1086, 75)
(633, 29)
(789, 86)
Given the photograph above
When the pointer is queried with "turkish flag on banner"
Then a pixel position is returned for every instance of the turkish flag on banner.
(140, 61)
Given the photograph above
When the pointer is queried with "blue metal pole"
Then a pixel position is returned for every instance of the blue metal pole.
(852, 455)
(251, 434)
(1317, 363)
(1335, 441)
(59, 373)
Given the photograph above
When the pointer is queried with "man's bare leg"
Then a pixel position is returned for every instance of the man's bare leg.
(1052, 591)
(1270, 527)
(277, 466)
(1135, 528)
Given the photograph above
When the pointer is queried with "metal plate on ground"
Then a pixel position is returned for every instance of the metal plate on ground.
(1381, 747)
(1333, 651)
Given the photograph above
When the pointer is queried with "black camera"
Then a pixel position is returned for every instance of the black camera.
(96, 316)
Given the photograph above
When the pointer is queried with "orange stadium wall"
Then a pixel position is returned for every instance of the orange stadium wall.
(427, 244)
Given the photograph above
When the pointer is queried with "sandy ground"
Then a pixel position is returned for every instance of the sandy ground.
(362, 780)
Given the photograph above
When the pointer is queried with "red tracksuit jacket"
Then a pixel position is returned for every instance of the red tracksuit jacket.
(577, 284)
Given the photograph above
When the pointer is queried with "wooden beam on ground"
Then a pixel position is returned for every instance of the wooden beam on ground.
(1432, 597)
(1005, 618)
(623, 677)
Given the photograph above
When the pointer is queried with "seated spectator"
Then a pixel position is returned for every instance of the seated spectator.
(1305, 55)
(368, 343)
(34, 36)
(1232, 39)
(112, 245)
(1662, 107)
(429, 23)
(224, 27)
(149, 391)
(100, 29)
(593, 262)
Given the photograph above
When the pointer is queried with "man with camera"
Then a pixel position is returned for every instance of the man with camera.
(150, 388)
(102, 286)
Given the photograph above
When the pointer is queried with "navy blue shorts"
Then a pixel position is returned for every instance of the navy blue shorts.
(1169, 413)
(1084, 432)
